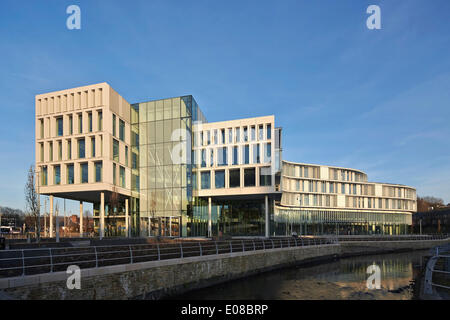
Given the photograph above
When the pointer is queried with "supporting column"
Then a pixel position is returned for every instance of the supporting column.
(101, 229)
(81, 218)
(51, 217)
(126, 218)
(266, 206)
(209, 218)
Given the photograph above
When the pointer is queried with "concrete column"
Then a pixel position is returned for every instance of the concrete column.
(209, 218)
(102, 215)
(266, 206)
(51, 217)
(81, 218)
(126, 218)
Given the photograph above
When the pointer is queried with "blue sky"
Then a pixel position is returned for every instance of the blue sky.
(375, 100)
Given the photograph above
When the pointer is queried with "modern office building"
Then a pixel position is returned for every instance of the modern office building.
(159, 168)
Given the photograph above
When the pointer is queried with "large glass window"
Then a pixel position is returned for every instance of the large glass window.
(269, 132)
(84, 173)
(41, 124)
(203, 152)
(122, 130)
(238, 135)
(265, 177)
(220, 179)
(222, 156)
(235, 178)
(57, 174)
(59, 127)
(126, 156)
(253, 133)
(50, 151)
(261, 132)
(59, 150)
(115, 150)
(249, 177)
(70, 174)
(98, 171)
(230, 135)
(114, 174)
(81, 148)
(245, 134)
(206, 180)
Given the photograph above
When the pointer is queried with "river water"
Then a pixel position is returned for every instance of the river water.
(341, 279)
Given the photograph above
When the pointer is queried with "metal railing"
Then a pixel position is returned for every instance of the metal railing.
(437, 270)
(344, 238)
(15, 263)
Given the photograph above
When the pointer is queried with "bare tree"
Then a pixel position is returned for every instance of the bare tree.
(32, 201)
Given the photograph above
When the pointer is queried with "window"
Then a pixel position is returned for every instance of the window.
(70, 124)
(59, 127)
(41, 151)
(93, 147)
(265, 177)
(115, 150)
(100, 121)
(134, 161)
(80, 123)
(342, 188)
(230, 135)
(211, 156)
(50, 151)
(90, 121)
(261, 132)
(70, 174)
(59, 150)
(253, 133)
(44, 176)
(268, 153)
(84, 173)
(203, 158)
(41, 124)
(245, 134)
(235, 155)
(269, 132)
(235, 178)
(122, 177)
(215, 141)
(256, 156)
(208, 139)
(122, 130)
(206, 180)
(222, 135)
(114, 173)
(249, 177)
(114, 125)
(246, 154)
(57, 175)
(69, 149)
(194, 180)
(238, 135)
(126, 156)
(222, 156)
(220, 179)
(81, 148)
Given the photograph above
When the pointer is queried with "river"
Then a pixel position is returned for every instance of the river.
(341, 279)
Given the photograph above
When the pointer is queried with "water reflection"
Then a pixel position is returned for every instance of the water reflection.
(342, 279)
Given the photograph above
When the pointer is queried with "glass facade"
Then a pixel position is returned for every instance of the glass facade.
(162, 148)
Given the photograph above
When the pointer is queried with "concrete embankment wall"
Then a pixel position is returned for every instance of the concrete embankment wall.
(156, 279)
